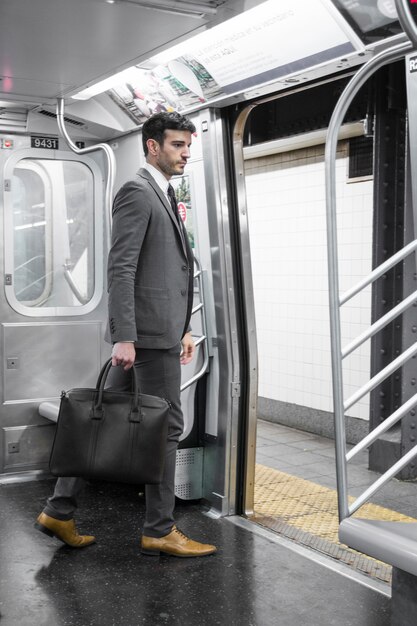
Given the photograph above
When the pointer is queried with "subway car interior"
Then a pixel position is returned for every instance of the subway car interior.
(298, 458)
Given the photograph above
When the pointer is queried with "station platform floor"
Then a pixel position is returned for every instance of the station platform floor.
(295, 494)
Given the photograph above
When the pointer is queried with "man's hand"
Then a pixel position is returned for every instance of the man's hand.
(188, 349)
(123, 353)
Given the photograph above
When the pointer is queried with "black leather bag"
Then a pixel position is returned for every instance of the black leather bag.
(110, 435)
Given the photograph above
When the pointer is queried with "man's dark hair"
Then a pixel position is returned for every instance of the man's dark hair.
(156, 125)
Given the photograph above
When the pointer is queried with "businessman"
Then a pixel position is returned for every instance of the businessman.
(150, 289)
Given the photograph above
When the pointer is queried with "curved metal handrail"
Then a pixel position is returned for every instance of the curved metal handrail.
(77, 293)
(111, 162)
(203, 339)
(383, 58)
(406, 20)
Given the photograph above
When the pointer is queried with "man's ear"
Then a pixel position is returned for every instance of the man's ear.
(153, 146)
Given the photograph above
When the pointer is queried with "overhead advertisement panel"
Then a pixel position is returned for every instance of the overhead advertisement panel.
(270, 41)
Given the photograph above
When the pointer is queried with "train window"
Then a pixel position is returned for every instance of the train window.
(50, 246)
(31, 236)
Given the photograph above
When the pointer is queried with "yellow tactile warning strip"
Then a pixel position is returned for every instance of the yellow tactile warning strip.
(307, 512)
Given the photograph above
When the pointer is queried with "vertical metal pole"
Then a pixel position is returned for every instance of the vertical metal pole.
(335, 336)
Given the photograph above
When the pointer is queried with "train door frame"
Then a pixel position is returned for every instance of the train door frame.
(246, 433)
(227, 278)
(214, 251)
(237, 119)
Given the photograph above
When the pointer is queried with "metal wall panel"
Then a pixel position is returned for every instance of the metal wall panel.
(41, 359)
(27, 447)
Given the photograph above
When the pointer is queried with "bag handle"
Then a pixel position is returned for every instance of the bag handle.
(97, 408)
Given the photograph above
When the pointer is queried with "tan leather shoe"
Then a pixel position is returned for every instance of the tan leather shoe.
(64, 530)
(176, 544)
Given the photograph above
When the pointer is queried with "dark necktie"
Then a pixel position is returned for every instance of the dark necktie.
(173, 200)
(174, 206)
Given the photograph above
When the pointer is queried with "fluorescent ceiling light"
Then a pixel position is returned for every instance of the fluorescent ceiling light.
(107, 83)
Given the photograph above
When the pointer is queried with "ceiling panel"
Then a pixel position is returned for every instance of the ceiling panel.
(52, 48)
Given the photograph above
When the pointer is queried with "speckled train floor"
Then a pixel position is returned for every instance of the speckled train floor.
(251, 581)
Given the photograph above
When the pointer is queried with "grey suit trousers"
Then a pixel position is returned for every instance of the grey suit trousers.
(159, 374)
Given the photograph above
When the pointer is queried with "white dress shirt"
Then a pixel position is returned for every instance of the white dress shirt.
(159, 178)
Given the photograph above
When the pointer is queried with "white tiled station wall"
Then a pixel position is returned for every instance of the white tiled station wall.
(287, 226)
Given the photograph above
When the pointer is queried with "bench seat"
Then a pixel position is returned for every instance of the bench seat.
(394, 543)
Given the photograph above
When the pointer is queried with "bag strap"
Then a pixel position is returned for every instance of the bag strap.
(101, 381)
(103, 373)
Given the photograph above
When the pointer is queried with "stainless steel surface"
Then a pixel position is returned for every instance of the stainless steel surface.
(27, 447)
(378, 271)
(251, 349)
(49, 410)
(110, 159)
(406, 20)
(189, 473)
(12, 363)
(378, 325)
(382, 480)
(385, 57)
(53, 356)
(223, 410)
(44, 354)
(382, 375)
(383, 427)
(202, 340)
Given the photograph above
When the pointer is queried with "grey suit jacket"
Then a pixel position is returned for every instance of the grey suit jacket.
(150, 268)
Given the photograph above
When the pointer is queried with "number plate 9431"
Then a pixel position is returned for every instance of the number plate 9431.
(50, 143)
